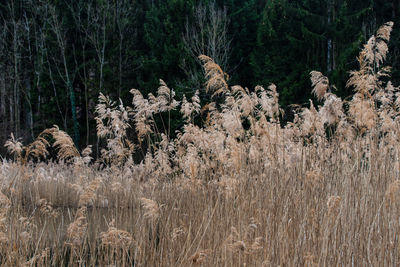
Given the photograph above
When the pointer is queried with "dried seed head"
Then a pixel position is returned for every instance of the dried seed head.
(256, 245)
(116, 238)
(89, 195)
(152, 209)
(5, 203)
(77, 229)
(333, 205)
(320, 84)
(176, 233)
(392, 193)
(216, 82)
(309, 260)
(313, 179)
(238, 246)
(200, 256)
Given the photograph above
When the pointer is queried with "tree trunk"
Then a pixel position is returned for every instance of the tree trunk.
(72, 99)
(62, 43)
(28, 106)
(16, 82)
(86, 94)
(73, 111)
(329, 59)
(11, 109)
(2, 93)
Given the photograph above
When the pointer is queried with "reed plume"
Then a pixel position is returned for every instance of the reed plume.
(216, 77)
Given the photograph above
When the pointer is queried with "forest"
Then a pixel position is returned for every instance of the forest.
(200, 133)
(56, 57)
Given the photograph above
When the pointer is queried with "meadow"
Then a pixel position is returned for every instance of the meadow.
(238, 188)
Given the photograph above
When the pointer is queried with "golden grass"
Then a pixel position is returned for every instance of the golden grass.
(279, 215)
(241, 190)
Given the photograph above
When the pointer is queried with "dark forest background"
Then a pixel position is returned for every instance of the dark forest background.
(57, 56)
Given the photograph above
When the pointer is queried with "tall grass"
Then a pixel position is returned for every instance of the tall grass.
(237, 190)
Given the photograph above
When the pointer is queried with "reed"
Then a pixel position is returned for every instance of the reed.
(237, 189)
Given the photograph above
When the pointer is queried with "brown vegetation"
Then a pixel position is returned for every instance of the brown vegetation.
(321, 191)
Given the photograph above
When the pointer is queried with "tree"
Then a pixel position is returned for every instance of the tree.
(56, 24)
(206, 33)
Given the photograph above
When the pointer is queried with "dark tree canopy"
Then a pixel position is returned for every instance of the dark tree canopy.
(57, 56)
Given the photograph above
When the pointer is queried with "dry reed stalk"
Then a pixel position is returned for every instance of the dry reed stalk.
(333, 205)
(200, 256)
(392, 193)
(152, 209)
(77, 229)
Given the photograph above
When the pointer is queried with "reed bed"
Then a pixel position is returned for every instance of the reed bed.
(238, 188)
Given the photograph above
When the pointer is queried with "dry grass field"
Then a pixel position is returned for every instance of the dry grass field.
(237, 189)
